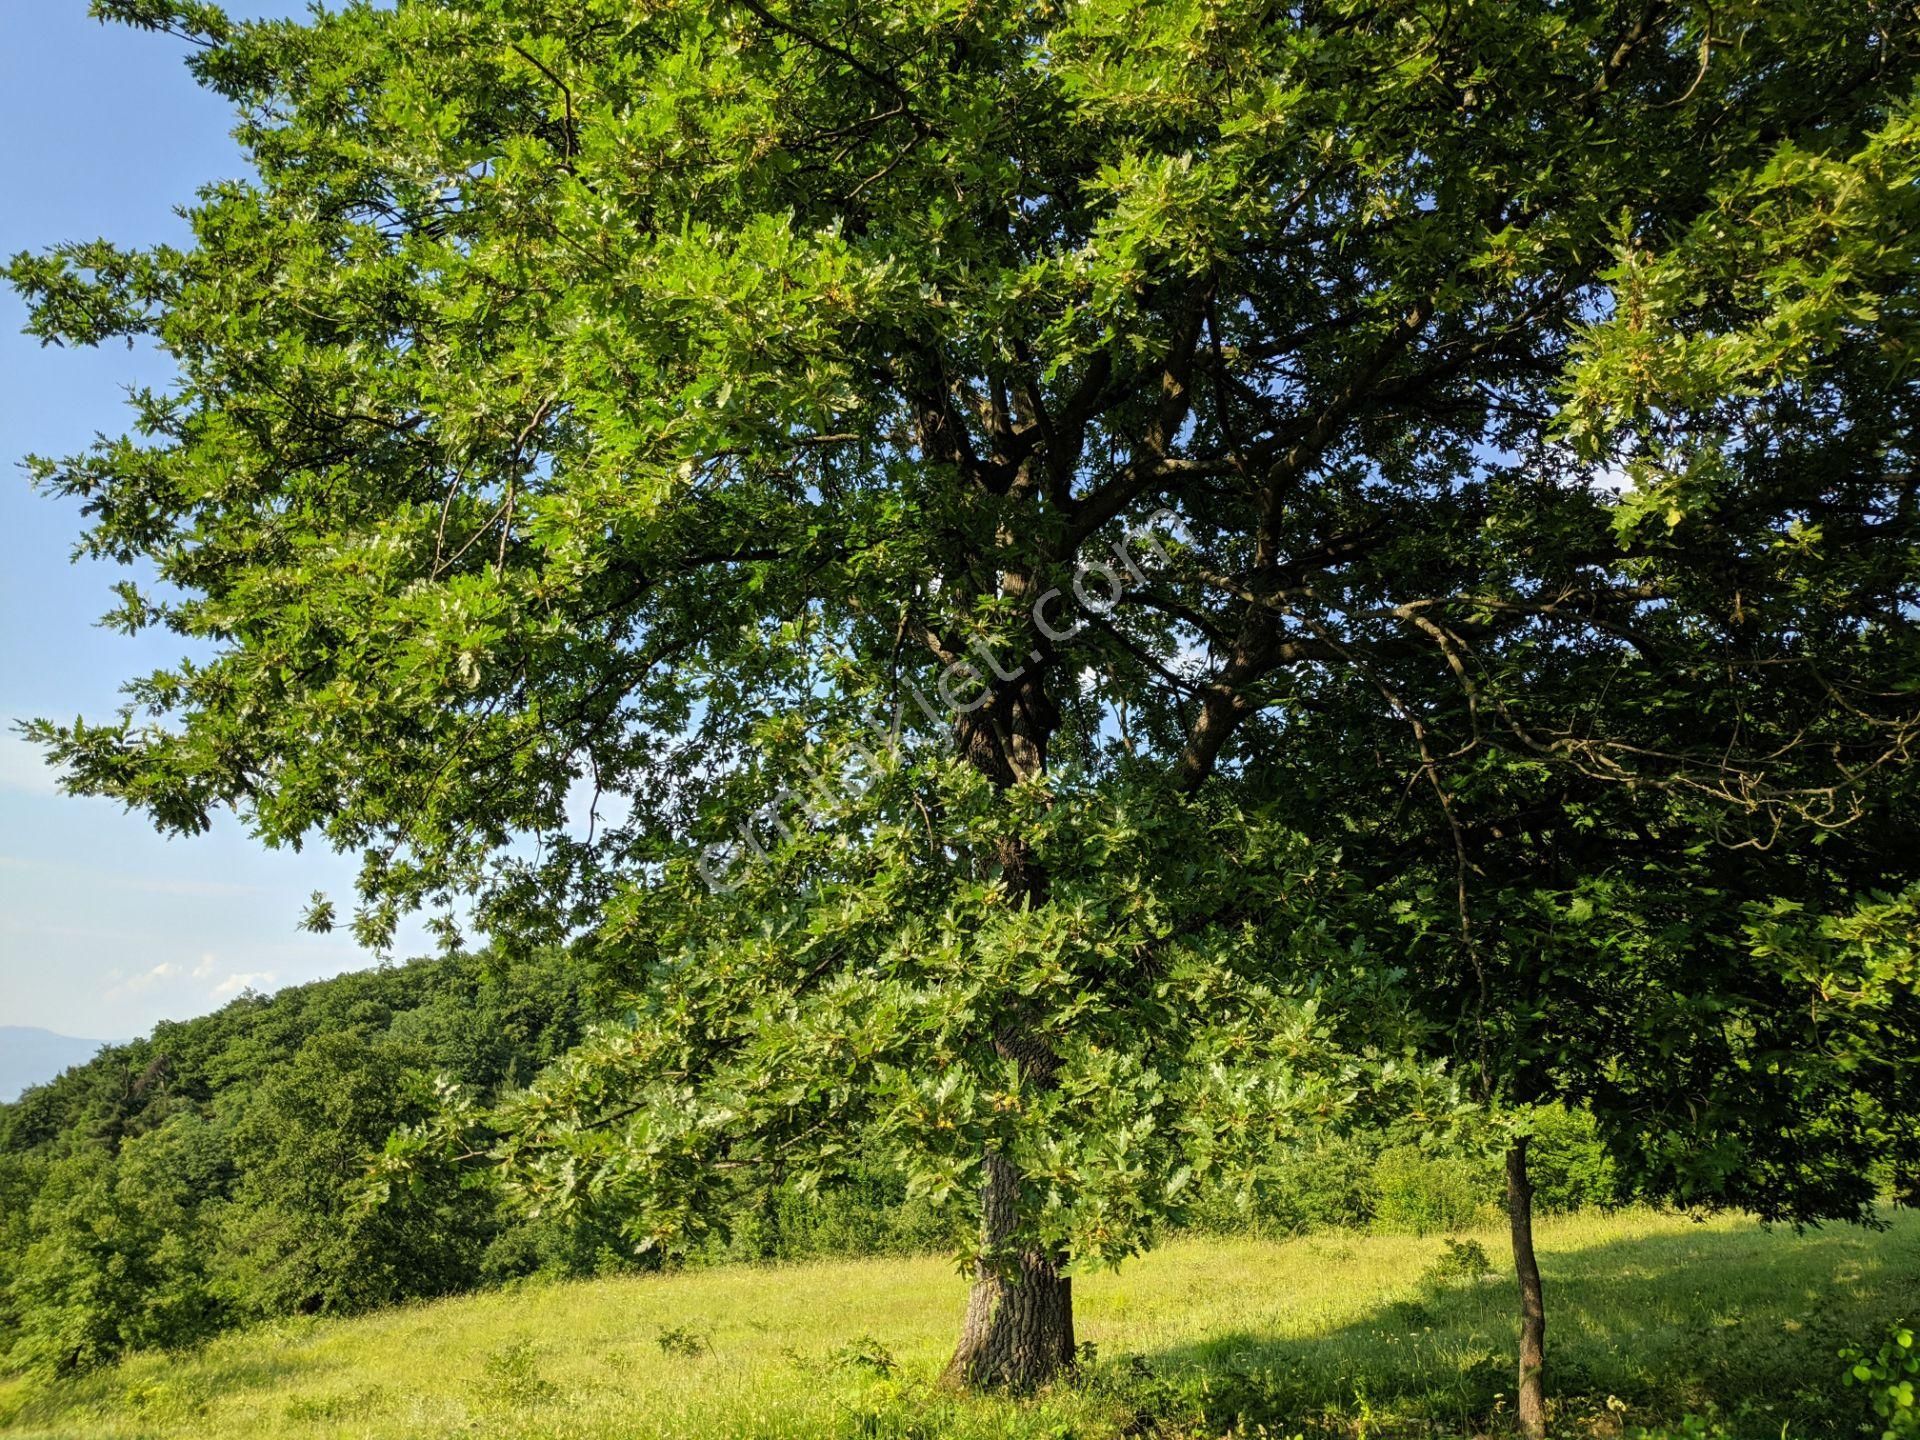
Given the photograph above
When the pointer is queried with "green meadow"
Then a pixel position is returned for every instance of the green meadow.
(1656, 1318)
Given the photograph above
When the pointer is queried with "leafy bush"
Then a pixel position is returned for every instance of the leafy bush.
(866, 1212)
(866, 1354)
(1321, 1187)
(683, 1341)
(1461, 1261)
(1568, 1164)
(1418, 1193)
(577, 1248)
(1890, 1377)
(513, 1379)
(1324, 1185)
(1366, 1178)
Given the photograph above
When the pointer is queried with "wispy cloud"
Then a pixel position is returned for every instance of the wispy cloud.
(108, 935)
(175, 976)
(134, 984)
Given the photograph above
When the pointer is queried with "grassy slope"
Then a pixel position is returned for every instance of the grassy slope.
(1311, 1334)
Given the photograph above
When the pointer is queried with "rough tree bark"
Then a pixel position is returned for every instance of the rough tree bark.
(1531, 1408)
(1018, 1331)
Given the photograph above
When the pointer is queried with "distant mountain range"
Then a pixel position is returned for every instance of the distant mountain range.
(32, 1057)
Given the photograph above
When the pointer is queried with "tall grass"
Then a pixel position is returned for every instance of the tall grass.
(1335, 1335)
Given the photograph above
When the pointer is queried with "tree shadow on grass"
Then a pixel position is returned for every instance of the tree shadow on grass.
(1743, 1323)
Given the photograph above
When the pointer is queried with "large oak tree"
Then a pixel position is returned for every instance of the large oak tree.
(644, 403)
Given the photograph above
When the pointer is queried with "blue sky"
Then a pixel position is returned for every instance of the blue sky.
(105, 927)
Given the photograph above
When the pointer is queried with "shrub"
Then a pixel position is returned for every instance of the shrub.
(1461, 1260)
(865, 1212)
(866, 1354)
(513, 1378)
(1418, 1193)
(683, 1341)
(575, 1247)
(1569, 1166)
(1322, 1186)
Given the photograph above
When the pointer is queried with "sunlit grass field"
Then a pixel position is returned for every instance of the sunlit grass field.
(1335, 1335)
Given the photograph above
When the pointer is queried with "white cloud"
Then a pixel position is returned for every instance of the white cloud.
(146, 979)
(205, 968)
(242, 980)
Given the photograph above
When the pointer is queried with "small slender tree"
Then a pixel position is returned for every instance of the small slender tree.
(590, 414)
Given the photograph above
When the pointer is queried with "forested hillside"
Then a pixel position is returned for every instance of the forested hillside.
(216, 1169)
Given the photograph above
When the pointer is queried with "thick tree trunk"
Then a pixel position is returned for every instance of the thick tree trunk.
(1532, 1403)
(1018, 1333)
